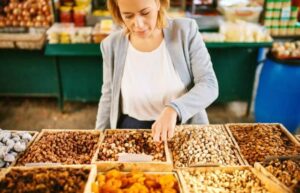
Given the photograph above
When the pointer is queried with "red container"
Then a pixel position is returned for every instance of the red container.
(79, 16)
(65, 14)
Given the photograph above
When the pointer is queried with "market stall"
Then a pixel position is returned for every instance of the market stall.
(129, 160)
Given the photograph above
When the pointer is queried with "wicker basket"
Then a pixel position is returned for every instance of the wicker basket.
(28, 41)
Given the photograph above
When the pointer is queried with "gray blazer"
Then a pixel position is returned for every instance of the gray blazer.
(190, 59)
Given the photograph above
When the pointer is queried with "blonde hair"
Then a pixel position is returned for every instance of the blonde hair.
(113, 8)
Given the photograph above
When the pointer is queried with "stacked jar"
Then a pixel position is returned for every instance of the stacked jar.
(79, 15)
(281, 17)
(65, 14)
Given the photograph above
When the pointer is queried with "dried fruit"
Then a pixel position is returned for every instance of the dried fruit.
(11, 144)
(115, 181)
(45, 180)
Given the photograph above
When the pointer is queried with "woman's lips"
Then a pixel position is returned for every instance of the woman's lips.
(141, 32)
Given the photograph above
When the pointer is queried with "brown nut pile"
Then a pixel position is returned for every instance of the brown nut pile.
(287, 171)
(67, 147)
(236, 181)
(193, 145)
(45, 180)
(258, 141)
(126, 141)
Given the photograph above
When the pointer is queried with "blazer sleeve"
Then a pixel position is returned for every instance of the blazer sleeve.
(205, 89)
(104, 107)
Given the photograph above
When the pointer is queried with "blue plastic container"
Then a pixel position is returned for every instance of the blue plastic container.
(278, 94)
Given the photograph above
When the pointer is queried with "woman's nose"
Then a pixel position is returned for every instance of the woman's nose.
(139, 22)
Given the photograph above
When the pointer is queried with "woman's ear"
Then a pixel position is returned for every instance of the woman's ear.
(158, 4)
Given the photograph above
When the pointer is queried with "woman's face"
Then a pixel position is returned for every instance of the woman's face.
(139, 16)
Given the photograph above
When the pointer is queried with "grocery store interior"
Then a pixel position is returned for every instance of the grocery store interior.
(51, 77)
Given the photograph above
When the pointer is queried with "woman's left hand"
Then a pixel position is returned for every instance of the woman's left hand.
(164, 126)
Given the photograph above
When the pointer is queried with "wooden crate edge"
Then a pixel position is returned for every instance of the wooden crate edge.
(263, 179)
(273, 185)
(260, 168)
(34, 136)
(91, 179)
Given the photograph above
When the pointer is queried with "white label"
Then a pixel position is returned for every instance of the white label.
(42, 164)
(285, 13)
(130, 157)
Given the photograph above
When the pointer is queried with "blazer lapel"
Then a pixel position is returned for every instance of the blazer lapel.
(175, 48)
(118, 74)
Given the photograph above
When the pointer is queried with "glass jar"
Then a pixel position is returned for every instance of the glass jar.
(79, 16)
(65, 14)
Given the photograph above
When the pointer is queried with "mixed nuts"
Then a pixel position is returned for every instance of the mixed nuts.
(130, 141)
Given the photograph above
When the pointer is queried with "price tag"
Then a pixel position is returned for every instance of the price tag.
(131, 157)
(285, 13)
(42, 164)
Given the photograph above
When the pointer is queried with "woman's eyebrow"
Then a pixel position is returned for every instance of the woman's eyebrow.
(138, 11)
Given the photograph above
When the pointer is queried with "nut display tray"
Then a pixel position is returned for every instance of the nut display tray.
(34, 135)
(150, 166)
(265, 181)
(57, 178)
(193, 140)
(62, 147)
(257, 141)
(259, 166)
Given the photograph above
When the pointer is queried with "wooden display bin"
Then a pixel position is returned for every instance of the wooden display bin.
(153, 166)
(292, 139)
(65, 130)
(259, 167)
(269, 184)
(157, 173)
(88, 185)
(237, 153)
(34, 135)
(298, 137)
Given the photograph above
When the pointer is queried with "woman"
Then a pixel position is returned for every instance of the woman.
(157, 71)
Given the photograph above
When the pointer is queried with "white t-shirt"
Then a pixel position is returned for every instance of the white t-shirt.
(149, 83)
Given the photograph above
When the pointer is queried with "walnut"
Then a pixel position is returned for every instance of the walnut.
(257, 141)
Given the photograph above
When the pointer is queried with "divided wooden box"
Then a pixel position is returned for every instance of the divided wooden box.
(34, 135)
(269, 184)
(258, 166)
(65, 130)
(153, 166)
(88, 185)
(174, 173)
(284, 131)
(237, 153)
